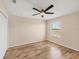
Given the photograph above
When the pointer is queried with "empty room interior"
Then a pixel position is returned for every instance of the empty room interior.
(39, 29)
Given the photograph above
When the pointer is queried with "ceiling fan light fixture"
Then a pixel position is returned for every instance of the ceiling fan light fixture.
(42, 13)
(42, 16)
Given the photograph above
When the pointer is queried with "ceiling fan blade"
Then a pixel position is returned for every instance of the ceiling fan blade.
(35, 14)
(49, 12)
(49, 8)
(36, 9)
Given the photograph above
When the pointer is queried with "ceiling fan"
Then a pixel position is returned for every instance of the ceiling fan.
(42, 11)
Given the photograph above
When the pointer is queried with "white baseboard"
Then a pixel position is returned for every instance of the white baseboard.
(27, 43)
(65, 46)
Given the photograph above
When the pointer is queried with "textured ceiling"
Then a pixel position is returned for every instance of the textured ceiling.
(24, 7)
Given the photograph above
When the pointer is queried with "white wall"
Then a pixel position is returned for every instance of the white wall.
(25, 30)
(3, 35)
(69, 33)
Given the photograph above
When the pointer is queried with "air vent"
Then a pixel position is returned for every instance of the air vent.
(14, 1)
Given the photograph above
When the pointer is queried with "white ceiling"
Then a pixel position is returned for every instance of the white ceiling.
(24, 7)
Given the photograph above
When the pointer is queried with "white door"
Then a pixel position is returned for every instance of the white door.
(3, 35)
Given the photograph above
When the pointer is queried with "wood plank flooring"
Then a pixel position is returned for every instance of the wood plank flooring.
(41, 50)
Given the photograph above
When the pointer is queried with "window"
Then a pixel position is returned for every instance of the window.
(56, 25)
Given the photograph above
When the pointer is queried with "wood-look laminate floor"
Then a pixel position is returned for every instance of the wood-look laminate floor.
(41, 50)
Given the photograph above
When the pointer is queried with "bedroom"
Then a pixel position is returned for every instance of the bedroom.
(37, 35)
